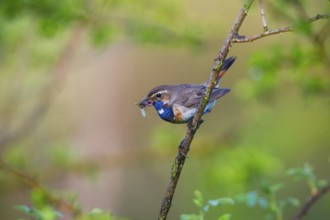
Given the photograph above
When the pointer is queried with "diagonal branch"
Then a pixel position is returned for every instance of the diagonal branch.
(196, 121)
(48, 94)
(193, 126)
(310, 202)
(33, 183)
(244, 39)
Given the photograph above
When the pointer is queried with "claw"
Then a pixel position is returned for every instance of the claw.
(183, 154)
(182, 144)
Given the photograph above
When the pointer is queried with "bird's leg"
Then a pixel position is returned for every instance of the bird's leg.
(182, 144)
(183, 154)
(199, 123)
(189, 123)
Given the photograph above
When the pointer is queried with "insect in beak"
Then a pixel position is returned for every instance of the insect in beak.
(143, 104)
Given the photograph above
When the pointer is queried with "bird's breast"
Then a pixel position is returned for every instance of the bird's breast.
(164, 111)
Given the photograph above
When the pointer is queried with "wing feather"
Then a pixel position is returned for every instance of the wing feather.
(191, 95)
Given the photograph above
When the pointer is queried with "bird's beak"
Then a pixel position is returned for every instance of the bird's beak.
(144, 103)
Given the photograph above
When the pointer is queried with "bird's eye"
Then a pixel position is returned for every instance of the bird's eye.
(158, 95)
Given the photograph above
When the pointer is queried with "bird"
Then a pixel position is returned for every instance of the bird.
(178, 103)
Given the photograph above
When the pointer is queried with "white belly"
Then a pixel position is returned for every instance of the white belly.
(189, 113)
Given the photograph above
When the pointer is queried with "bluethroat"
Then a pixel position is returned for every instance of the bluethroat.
(178, 103)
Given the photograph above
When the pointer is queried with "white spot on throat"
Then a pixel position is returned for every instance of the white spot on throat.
(161, 111)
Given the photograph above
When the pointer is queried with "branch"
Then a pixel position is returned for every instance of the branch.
(263, 18)
(184, 147)
(31, 182)
(310, 202)
(244, 39)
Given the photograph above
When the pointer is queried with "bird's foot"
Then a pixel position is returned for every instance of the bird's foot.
(189, 124)
(200, 122)
(182, 144)
(183, 154)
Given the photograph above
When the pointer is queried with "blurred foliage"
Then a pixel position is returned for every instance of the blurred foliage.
(299, 64)
(268, 200)
(44, 210)
(34, 33)
(47, 213)
(265, 198)
(33, 36)
(306, 173)
(237, 169)
(164, 137)
(204, 207)
(145, 20)
(97, 214)
(304, 61)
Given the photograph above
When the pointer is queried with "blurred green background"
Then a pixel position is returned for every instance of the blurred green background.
(71, 72)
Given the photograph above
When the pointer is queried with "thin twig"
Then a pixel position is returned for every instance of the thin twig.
(317, 17)
(193, 127)
(263, 17)
(244, 39)
(310, 202)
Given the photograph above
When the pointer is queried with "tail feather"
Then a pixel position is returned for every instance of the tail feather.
(226, 65)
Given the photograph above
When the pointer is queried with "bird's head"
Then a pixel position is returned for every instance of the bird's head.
(157, 94)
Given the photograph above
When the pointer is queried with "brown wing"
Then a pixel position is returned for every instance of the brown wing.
(187, 95)
(190, 95)
(218, 93)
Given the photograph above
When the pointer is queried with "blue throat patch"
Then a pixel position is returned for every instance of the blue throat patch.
(165, 113)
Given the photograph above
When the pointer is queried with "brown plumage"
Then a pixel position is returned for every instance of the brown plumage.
(178, 103)
(187, 95)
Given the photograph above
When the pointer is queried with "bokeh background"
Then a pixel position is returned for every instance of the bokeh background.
(72, 71)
